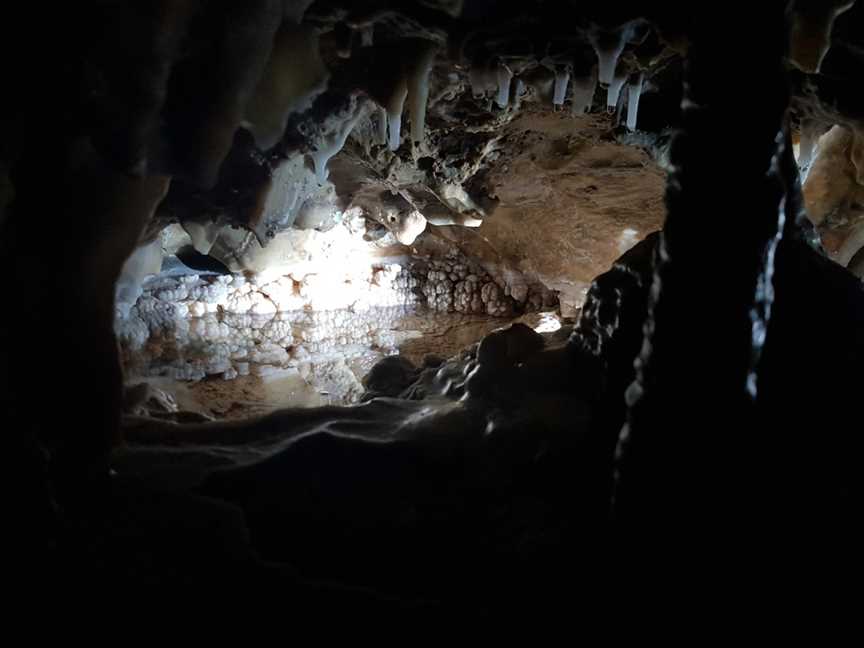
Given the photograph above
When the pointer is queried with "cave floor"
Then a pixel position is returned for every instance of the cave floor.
(332, 378)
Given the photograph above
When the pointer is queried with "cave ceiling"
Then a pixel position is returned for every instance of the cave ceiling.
(270, 115)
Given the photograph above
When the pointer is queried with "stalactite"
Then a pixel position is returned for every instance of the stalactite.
(203, 234)
(394, 113)
(619, 110)
(418, 89)
(381, 125)
(505, 76)
(562, 80)
(634, 92)
(331, 144)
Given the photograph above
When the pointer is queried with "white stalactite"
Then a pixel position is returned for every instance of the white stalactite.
(520, 88)
(562, 80)
(634, 93)
(381, 118)
(505, 76)
(418, 91)
(394, 113)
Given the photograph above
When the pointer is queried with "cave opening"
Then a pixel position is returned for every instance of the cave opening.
(432, 309)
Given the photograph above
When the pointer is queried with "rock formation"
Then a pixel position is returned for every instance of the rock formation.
(371, 211)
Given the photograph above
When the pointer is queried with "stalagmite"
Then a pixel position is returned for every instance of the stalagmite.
(394, 113)
(583, 92)
(418, 90)
(562, 79)
(505, 75)
(634, 92)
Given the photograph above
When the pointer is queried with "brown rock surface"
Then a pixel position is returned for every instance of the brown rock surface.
(571, 201)
(835, 200)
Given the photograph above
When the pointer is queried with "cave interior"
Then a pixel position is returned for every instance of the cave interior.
(425, 311)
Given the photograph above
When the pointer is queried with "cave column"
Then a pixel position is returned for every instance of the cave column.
(689, 454)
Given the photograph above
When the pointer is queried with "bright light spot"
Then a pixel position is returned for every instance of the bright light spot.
(549, 323)
(629, 237)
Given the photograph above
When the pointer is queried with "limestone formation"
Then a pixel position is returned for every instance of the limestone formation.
(383, 306)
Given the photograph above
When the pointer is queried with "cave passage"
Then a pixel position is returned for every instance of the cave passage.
(434, 312)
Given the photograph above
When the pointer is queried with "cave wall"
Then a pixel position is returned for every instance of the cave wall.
(572, 199)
